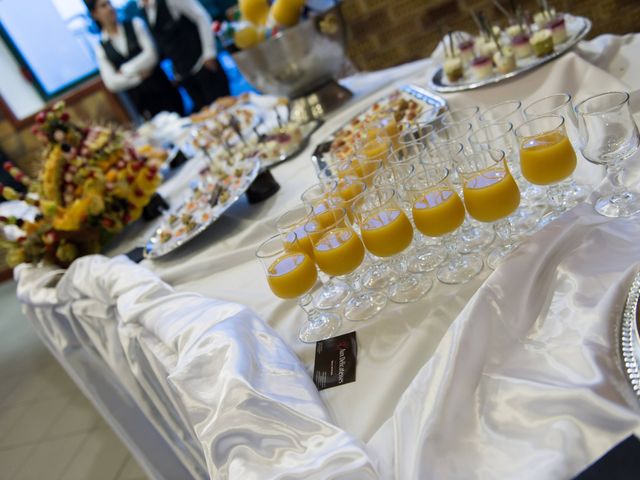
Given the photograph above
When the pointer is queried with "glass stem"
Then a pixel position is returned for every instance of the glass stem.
(614, 172)
(503, 230)
(556, 197)
(313, 315)
(452, 243)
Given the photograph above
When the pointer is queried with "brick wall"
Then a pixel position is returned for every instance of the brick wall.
(383, 33)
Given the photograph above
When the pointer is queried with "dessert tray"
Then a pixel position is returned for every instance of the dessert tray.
(408, 103)
(577, 29)
(216, 189)
(630, 337)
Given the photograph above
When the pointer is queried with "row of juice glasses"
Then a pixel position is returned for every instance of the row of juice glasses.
(392, 190)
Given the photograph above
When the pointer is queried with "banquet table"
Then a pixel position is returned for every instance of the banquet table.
(197, 366)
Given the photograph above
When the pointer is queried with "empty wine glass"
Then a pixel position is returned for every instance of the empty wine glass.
(608, 136)
(461, 115)
(292, 275)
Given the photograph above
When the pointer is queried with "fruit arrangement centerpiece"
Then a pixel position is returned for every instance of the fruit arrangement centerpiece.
(91, 184)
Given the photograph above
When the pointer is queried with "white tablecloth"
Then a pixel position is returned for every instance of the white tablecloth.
(513, 374)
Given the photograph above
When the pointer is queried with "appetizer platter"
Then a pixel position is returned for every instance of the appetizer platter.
(496, 55)
(408, 103)
(217, 188)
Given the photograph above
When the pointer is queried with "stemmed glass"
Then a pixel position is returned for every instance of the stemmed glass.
(508, 111)
(292, 275)
(501, 136)
(608, 136)
(461, 115)
(453, 134)
(547, 158)
(474, 235)
(386, 232)
(560, 104)
(339, 252)
(438, 212)
(490, 195)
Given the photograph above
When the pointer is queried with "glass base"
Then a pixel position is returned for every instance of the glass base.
(326, 326)
(378, 276)
(332, 295)
(364, 305)
(525, 219)
(409, 287)
(578, 193)
(462, 271)
(426, 258)
(475, 238)
(497, 255)
(623, 205)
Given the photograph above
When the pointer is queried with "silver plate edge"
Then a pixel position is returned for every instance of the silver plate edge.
(148, 250)
(303, 144)
(441, 88)
(629, 344)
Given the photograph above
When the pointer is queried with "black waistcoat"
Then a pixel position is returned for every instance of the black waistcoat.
(116, 58)
(177, 40)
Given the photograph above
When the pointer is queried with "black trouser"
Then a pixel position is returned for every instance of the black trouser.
(205, 86)
(156, 94)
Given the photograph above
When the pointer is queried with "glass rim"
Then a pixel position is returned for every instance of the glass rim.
(449, 113)
(306, 190)
(446, 173)
(340, 218)
(412, 127)
(460, 167)
(374, 191)
(566, 95)
(269, 240)
(510, 128)
(495, 106)
(538, 119)
(469, 126)
(307, 208)
(580, 107)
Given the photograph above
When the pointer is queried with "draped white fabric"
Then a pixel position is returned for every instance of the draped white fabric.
(513, 375)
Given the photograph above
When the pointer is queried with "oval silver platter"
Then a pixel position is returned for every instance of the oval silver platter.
(578, 28)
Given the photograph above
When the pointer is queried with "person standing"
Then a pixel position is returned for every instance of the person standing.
(128, 62)
(183, 34)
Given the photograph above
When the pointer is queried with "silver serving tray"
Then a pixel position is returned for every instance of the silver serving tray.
(307, 130)
(630, 339)
(439, 84)
(156, 249)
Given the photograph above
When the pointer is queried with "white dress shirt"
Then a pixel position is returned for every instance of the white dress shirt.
(195, 12)
(130, 73)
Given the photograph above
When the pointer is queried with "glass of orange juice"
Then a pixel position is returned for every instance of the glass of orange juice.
(339, 252)
(501, 136)
(291, 275)
(321, 202)
(291, 226)
(475, 236)
(386, 233)
(548, 158)
(438, 212)
(490, 195)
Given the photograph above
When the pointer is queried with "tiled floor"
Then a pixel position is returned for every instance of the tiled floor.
(48, 429)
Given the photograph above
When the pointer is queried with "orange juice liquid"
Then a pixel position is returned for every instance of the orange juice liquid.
(375, 150)
(491, 195)
(348, 191)
(387, 232)
(339, 252)
(303, 243)
(438, 211)
(547, 158)
(326, 213)
(292, 275)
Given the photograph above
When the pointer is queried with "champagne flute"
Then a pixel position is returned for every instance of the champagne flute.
(490, 195)
(609, 136)
(547, 158)
(438, 212)
(560, 104)
(292, 275)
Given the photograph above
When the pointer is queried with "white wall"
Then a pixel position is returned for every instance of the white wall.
(17, 92)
